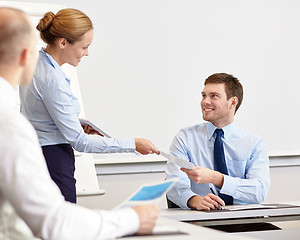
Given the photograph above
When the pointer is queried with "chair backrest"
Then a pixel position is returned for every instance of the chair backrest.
(171, 204)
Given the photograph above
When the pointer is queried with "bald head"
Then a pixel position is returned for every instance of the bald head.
(17, 47)
(16, 32)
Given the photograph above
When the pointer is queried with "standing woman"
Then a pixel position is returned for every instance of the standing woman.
(53, 110)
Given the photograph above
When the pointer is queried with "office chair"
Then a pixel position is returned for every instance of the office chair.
(171, 204)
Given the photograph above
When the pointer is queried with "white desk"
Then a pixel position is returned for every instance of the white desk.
(222, 217)
(286, 234)
(188, 232)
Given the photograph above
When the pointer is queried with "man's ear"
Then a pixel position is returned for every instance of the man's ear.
(234, 101)
(62, 42)
(24, 57)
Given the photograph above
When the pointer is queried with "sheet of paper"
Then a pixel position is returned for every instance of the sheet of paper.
(178, 161)
(84, 122)
(247, 207)
(149, 193)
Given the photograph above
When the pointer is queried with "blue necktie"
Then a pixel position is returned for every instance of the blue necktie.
(219, 162)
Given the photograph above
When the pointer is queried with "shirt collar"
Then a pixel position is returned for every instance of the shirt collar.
(228, 130)
(53, 63)
(9, 95)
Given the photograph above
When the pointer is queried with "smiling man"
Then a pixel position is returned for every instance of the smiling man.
(232, 166)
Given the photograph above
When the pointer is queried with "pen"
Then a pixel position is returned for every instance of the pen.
(213, 192)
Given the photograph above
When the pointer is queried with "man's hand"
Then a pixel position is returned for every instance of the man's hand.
(144, 146)
(210, 201)
(148, 215)
(205, 175)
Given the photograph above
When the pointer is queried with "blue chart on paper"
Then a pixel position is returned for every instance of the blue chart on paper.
(151, 192)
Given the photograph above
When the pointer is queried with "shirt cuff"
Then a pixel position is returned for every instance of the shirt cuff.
(129, 221)
(185, 197)
(127, 143)
(229, 185)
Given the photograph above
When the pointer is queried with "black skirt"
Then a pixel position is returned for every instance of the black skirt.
(60, 161)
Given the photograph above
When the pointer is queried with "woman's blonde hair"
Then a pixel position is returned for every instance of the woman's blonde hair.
(68, 23)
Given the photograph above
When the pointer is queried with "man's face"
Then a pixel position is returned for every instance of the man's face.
(215, 106)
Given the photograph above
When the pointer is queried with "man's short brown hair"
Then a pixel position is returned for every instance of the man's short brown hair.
(233, 87)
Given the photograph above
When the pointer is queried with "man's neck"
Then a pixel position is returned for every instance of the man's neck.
(10, 75)
(222, 124)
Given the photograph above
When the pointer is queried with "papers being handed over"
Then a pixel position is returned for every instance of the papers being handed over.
(149, 193)
(178, 161)
(85, 122)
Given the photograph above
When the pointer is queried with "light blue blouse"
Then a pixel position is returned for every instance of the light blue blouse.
(53, 110)
(248, 179)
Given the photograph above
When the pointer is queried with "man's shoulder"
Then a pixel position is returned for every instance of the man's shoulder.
(246, 135)
(194, 131)
(7, 114)
(194, 128)
(14, 123)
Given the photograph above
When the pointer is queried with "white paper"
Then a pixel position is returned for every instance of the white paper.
(178, 161)
(247, 207)
(84, 122)
(149, 193)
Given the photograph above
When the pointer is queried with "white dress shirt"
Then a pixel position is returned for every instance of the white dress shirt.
(28, 195)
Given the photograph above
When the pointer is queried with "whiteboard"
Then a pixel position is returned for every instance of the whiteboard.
(149, 59)
(85, 173)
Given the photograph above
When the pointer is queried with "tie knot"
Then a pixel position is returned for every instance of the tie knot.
(219, 132)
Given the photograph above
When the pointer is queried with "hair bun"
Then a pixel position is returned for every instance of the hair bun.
(45, 22)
